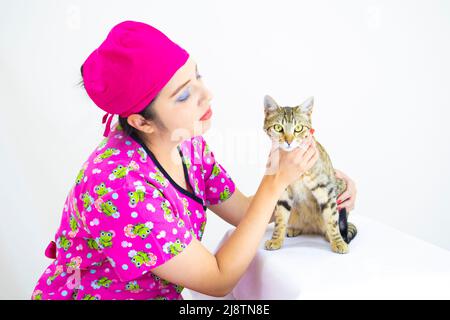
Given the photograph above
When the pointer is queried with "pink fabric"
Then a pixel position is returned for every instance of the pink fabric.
(129, 68)
(124, 216)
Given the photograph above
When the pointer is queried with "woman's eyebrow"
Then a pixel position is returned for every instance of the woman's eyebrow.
(181, 87)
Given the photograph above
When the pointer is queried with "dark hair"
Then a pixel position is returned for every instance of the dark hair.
(148, 113)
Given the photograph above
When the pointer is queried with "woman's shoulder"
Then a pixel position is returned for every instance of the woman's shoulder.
(109, 165)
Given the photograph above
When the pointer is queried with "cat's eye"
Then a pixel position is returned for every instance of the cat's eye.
(278, 128)
(298, 128)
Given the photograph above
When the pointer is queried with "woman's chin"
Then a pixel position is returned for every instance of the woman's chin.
(204, 126)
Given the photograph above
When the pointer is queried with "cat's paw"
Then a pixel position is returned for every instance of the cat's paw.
(273, 244)
(292, 232)
(339, 247)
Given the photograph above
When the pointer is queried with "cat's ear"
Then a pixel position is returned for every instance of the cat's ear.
(270, 104)
(307, 106)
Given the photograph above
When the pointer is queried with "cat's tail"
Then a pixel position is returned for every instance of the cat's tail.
(348, 230)
(351, 232)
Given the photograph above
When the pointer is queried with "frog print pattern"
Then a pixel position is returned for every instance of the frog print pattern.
(124, 216)
(139, 230)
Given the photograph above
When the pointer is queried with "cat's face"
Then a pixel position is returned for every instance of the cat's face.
(287, 126)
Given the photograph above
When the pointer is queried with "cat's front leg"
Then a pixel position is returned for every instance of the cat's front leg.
(282, 212)
(331, 219)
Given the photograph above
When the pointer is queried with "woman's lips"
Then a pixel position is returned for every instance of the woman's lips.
(207, 115)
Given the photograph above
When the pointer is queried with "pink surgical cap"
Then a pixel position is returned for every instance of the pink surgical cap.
(129, 68)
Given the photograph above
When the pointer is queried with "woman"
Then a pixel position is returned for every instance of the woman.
(133, 220)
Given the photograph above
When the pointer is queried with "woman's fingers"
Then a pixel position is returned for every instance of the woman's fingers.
(346, 201)
(348, 197)
(311, 153)
(304, 145)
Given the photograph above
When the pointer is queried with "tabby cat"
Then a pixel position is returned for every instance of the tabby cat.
(308, 205)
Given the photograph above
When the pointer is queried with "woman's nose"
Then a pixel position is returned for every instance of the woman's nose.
(206, 97)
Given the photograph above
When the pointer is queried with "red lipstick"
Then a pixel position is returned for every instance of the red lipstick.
(207, 115)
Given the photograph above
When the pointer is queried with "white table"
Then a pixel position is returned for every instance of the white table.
(382, 263)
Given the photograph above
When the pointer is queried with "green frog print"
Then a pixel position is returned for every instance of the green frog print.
(178, 288)
(92, 244)
(105, 239)
(167, 212)
(136, 196)
(37, 295)
(64, 243)
(174, 248)
(102, 282)
(225, 194)
(87, 201)
(215, 171)
(133, 286)
(106, 154)
(186, 206)
(74, 263)
(116, 245)
(120, 171)
(73, 226)
(140, 258)
(109, 209)
(139, 230)
(101, 189)
(58, 271)
(164, 282)
(187, 161)
(81, 175)
(202, 229)
(143, 154)
(158, 176)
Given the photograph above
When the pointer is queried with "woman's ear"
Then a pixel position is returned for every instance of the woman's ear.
(140, 123)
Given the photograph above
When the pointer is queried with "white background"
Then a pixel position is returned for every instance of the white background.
(379, 72)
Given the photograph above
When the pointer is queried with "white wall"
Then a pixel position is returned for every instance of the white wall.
(379, 71)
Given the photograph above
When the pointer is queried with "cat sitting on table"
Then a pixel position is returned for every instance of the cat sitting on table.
(308, 205)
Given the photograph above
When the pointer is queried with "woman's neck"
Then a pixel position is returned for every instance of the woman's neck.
(164, 148)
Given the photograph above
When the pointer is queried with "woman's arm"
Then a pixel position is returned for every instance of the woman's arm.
(233, 209)
(215, 275)
(197, 269)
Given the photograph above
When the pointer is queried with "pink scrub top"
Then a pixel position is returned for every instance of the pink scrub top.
(125, 216)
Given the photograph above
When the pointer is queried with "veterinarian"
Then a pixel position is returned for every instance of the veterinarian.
(133, 220)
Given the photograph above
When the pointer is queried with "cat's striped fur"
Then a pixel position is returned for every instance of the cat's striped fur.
(307, 206)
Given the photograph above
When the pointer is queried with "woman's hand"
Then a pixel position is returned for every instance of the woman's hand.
(347, 198)
(288, 166)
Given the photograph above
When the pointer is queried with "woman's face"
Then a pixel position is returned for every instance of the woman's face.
(182, 102)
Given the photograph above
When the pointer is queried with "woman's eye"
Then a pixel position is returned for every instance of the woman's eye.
(184, 96)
